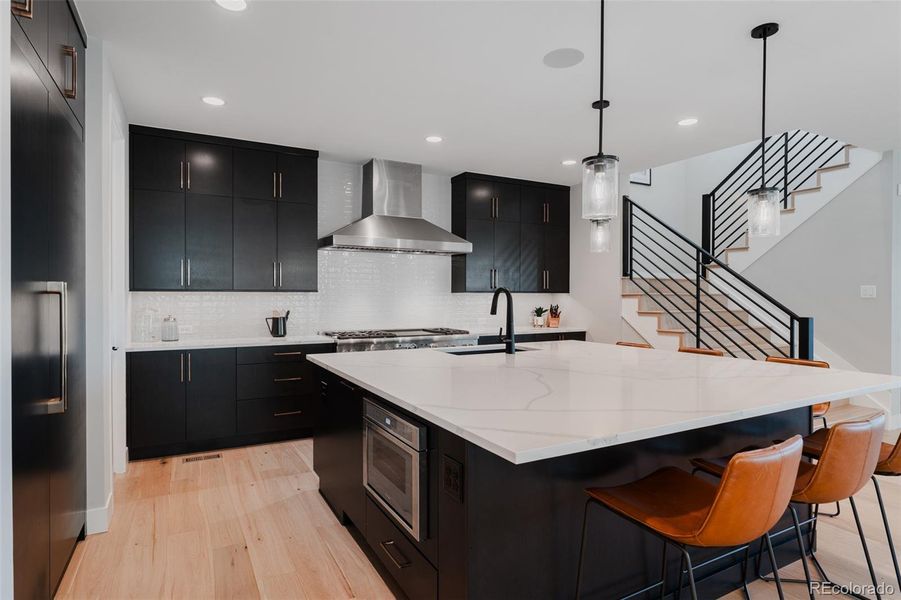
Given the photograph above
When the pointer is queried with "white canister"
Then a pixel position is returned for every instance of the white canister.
(169, 329)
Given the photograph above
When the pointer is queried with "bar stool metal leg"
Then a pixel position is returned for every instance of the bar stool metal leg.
(691, 574)
(866, 550)
(663, 574)
(888, 531)
(769, 549)
(681, 573)
(800, 537)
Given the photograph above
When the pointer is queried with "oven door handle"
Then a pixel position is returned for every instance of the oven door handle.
(401, 563)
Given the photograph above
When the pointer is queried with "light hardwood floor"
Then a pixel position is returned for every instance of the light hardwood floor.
(251, 524)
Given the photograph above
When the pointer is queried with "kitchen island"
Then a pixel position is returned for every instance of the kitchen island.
(512, 441)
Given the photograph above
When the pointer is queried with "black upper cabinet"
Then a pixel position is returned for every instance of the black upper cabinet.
(297, 179)
(208, 242)
(35, 24)
(509, 224)
(211, 406)
(256, 244)
(231, 232)
(157, 240)
(297, 263)
(157, 163)
(208, 169)
(256, 174)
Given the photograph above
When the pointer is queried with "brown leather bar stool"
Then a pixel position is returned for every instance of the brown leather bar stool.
(889, 465)
(635, 345)
(849, 457)
(686, 511)
(819, 410)
(704, 351)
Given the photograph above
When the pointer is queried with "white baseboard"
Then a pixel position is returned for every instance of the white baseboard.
(97, 519)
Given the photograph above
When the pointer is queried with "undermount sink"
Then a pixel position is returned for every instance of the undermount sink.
(473, 351)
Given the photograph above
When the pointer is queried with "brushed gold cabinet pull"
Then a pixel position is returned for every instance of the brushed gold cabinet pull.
(287, 354)
(22, 8)
(72, 53)
(287, 413)
(286, 379)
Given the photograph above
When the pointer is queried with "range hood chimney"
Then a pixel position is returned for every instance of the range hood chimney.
(392, 216)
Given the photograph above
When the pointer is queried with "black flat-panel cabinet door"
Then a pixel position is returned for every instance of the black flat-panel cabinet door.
(531, 257)
(157, 163)
(208, 242)
(29, 324)
(480, 262)
(36, 26)
(58, 61)
(211, 407)
(156, 398)
(532, 204)
(297, 178)
(297, 255)
(256, 174)
(66, 232)
(506, 254)
(558, 208)
(556, 258)
(507, 203)
(256, 246)
(479, 199)
(208, 169)
(350, 451)
(157, 240)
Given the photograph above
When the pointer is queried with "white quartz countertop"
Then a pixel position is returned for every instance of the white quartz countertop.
(567, 397)
(268, 340)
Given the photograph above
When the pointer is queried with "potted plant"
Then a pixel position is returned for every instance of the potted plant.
(553, 319)
(538, 316)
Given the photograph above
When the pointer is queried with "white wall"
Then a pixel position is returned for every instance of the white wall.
(356, 289)
(818, 270)
(676, 188)
(6, 521)
(896, 274)
(105, 135)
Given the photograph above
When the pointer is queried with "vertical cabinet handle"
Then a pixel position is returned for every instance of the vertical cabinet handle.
(72, 53)
(22, 8)
(181, 270)
(274, 280)
(189, 175)
(280, 195)
(274, 194)
(279, 273)
(181, 174)
(189, 272)
(59, 404)
(189, 367)
(181, 376)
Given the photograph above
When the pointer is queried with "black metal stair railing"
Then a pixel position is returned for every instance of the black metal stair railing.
(792, 159)
(717, 308)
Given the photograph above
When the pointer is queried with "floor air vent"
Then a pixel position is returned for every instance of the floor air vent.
(203, 457)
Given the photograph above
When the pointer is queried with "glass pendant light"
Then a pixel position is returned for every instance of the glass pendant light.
(764, 214)
(600, 176)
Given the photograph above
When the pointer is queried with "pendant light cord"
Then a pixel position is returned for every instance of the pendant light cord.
(763, 123)
(601, 109)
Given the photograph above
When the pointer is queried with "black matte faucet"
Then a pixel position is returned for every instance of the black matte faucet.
(510, 340)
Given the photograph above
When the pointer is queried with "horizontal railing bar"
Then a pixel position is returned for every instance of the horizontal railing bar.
(651, 296)
(744, 160)
(752, 301)
(777, 148)
(658, 232)
(773, 142)
(686, 265)
(822, 164)
(752, 168)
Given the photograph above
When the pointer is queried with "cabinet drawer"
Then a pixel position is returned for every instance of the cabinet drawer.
(280, 354)
(277, 414)
(415, 575)
(274, 380)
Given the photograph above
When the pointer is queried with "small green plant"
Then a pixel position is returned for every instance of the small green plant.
(555, 311)
(539, 311)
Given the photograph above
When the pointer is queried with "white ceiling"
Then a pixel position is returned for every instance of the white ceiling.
(362, 79)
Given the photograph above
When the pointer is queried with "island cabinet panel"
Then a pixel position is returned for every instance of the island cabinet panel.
(550, 336)
(338, 449)
(519, 231)
(413, 573)
(211, 207)
(192, 400)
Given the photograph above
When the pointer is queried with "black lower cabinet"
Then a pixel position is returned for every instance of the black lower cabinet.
(535, 337)
(338, 449)
(192, 400)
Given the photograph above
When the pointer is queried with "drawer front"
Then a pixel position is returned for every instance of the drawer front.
(275, 380)
(280, 354)
(415, 575)
(277, 414)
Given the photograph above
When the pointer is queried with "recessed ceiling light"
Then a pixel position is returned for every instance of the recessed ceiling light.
(688, 121)
(568, 162)
(434, 139)
(213, 100)
(563, 58)
(232, 5)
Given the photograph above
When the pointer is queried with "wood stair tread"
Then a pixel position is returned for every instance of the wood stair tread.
(809, 190)
(834, 167)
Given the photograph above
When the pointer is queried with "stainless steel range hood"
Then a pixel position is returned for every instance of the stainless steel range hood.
(392, 216)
